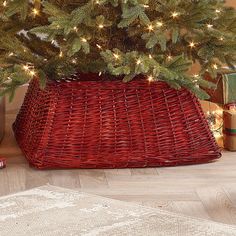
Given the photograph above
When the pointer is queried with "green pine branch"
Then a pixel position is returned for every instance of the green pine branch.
(160, 39)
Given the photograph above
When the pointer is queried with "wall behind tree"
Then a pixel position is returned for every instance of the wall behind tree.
(231, 2)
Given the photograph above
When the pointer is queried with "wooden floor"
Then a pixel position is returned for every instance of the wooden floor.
(205, 191)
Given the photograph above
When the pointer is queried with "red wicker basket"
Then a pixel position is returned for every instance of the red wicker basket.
(110, 124)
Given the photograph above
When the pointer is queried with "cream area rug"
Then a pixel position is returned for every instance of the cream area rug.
(50, 210)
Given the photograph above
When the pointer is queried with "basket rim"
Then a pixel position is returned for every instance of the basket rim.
(141, 84)
(102, 82)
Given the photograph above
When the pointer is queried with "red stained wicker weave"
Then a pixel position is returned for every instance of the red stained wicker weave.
(111, 124)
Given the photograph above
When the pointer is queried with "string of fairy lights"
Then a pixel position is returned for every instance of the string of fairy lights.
(214, 116)
(158, 24)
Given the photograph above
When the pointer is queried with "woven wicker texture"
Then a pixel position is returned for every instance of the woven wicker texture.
(111, 124)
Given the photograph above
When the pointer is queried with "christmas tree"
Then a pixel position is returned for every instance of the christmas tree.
(160, 39)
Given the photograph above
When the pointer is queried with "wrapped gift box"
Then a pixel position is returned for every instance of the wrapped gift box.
(225, 91)
(230, 130)
(2, 117)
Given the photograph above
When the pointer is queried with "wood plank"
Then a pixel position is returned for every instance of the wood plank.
(13, 179)
(35, 178)
(144, 171)
(117, 172)
(64, 178)
(92, 178)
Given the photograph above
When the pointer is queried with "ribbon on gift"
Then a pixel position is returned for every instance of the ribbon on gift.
(230, 132)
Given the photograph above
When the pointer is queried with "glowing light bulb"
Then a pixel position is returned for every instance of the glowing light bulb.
(209, 26)
(215, 66)
(61, 54)
(84, 40)
(4, 3)
(221, 39)
(150, 27)
(146, 6)
(175, 14)
(11, 54)
(26, 67)
(35, 11)
(169, 57)
(75, 29)
(218, 11)
(74, 61)
(138, 62)
(159, 24)
(32, 72)
(196, 76)
(101, 26)
(150, 78)
(98, 46)
(192, 44)
(116, 56)
(150, 56)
